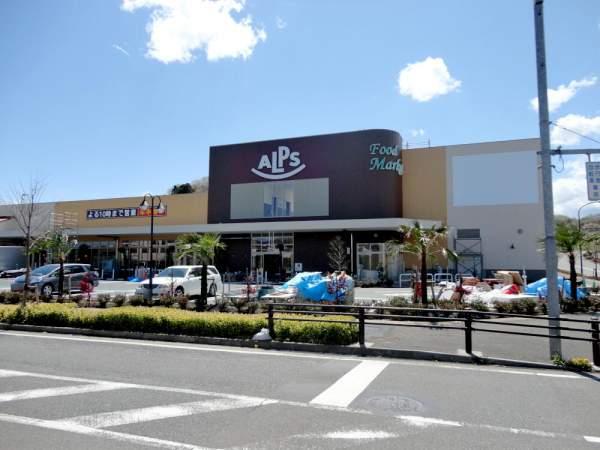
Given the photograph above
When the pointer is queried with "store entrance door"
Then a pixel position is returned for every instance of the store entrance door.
(272, 256)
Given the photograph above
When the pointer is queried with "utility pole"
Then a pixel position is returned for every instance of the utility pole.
(546, 157)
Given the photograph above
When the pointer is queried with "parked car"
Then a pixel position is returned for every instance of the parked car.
(12, 273)
(179, 280)
(44, 279)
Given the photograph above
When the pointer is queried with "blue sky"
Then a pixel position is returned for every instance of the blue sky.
(104, 98)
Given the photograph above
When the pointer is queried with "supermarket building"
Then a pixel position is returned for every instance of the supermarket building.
(279, 203)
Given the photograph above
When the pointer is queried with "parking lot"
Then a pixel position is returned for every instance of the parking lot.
(133, 394)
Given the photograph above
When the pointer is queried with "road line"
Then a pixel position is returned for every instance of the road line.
(594, 439)
(284, 354)
(78, 429)
(9, 373)
(116, 418)
(55, 392)
(346, 389)
(423, 422)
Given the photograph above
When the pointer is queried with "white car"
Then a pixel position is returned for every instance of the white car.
(182, 280)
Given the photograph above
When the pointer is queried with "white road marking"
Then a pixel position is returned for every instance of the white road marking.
(423, 422)
(78, 429)
(116, 418)
(362, 435)
(284, 354)
(55, 392)
(346, 389)
(9, 373)
(418, 421)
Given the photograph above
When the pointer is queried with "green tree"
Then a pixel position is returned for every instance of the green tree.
(58, 243)
(569, 238)
(426, 244)
(203, 247)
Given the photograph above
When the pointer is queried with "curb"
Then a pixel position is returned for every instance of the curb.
(288, 346)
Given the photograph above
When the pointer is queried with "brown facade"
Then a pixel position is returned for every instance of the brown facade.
(181, 209)
(356, 190)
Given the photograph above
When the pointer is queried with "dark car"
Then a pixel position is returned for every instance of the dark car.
(44, 279)
(12, 273)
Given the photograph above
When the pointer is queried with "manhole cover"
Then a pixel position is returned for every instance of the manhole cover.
(394, 404)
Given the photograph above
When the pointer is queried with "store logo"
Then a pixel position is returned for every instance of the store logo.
(385, 158)
(277, 161)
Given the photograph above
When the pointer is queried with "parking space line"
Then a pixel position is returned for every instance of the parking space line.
(116, 418)
(57, 391)
(346, 389)
(79, 429)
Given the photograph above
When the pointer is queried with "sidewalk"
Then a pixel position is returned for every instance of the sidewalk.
(528, 348)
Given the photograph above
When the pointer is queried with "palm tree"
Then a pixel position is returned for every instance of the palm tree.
(204, 247)
(569, 238)
(59, 244)
(426, 244)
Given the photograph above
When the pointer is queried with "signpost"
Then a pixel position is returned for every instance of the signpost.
(592, 170)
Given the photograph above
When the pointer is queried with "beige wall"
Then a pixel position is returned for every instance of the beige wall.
(424, 183)
(502, 225)
(182, 209)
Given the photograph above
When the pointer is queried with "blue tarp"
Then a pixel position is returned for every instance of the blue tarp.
(540, 288)
(312, 286)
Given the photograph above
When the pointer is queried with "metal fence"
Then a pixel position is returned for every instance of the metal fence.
(466, 320)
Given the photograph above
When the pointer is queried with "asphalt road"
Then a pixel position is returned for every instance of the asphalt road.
(68, 392)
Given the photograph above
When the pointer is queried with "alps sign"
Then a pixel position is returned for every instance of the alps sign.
(279, 165)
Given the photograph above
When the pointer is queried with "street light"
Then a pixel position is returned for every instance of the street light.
(161, 209)
(579, 228)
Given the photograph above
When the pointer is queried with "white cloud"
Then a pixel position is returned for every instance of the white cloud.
(570, 188)
(588, 126)
(121, 49)
(281, 24)
(178, 28)
(563, 93)
(426, 79)
(417, 132)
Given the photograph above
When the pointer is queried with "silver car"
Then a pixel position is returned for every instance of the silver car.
(44, 279)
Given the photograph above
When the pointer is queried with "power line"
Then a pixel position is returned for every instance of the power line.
(575, 132)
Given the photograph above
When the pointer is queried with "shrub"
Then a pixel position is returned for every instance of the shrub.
(576, 363)
(478, 305)
(183, 301)
(13, 298)
(529, 305)
(167, 301)
(522, 306)
(579, 363)
(542, 306)
(401, 302)
(172, 321)
(317, 332)
(136, 300)
(102, 300)
(119, 300)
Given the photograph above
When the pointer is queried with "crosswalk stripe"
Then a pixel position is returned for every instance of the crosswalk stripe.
(116, 418)
(57, 391)
(351, 385)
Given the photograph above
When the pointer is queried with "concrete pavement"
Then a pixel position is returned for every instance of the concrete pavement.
(63, 392)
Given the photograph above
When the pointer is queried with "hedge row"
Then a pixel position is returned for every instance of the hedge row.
(178, 322)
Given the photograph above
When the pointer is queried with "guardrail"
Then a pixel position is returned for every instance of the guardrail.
(364, 315)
